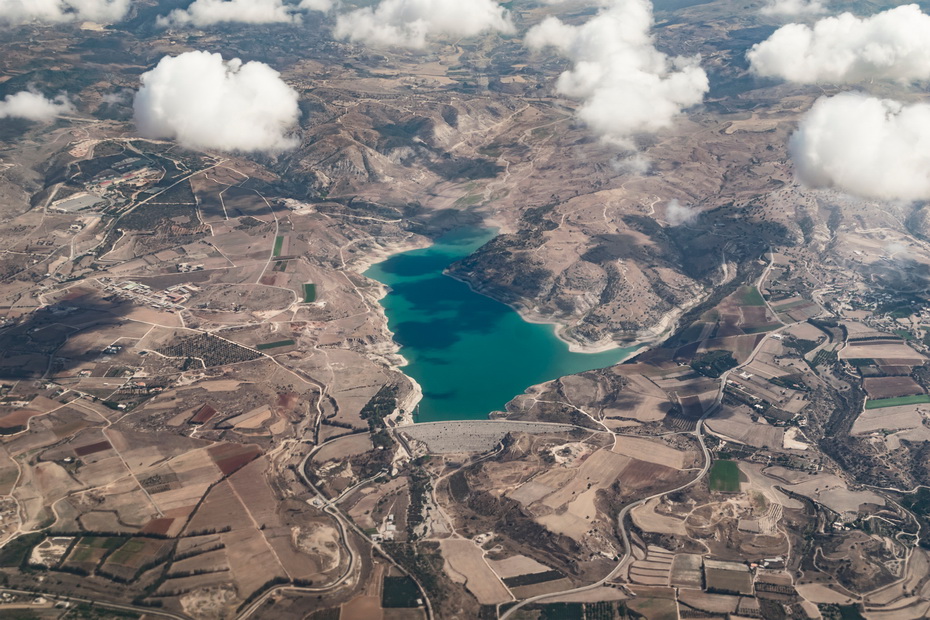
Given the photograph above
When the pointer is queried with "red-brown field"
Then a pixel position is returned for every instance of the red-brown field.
(18, 418)
(158, 526)
(229, 457)
(93, 448)
(890, 387)
(203, 415)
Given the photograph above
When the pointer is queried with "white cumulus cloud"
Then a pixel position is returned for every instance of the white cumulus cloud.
(870, 147)
(891, 45)
(408, 23)
(793, 8)
(205, 102)
(627, 86)
(34, 106)
(208, 12)
(677, 214)
(54, 11)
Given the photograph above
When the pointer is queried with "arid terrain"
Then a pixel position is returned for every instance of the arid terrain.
(203, 413)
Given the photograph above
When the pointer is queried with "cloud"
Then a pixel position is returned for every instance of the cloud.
(205, 102)
(408, 23)
(55, 11)
(677, 214)
(869, 147)
(120, 97)
(316, 5)
(636, 164)
(208, 12)
(891, 45)
(34, 106)
(626, 85)
(793, 8)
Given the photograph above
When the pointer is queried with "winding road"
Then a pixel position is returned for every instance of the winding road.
(698, 433)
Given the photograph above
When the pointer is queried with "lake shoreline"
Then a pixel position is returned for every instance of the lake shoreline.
(467, 353)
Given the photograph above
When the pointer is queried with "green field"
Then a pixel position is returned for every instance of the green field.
(894, 402)
(309, 293)
(102, 542)
(278, 243)
(272, 345)
(126, 553)
(724, 476)
(399, 592)
(904, 334)
(750, 296)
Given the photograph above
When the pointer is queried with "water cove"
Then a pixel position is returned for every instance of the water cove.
(469, 353)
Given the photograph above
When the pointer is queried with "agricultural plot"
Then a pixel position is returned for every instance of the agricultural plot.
(796, 309)
(727, 577)
(650, 451)
(890, 387)
(897, 402)
(654, 604)
(253, 419)
(212, 351)
(890, 418)
(654, 569)
(230, 457)
(234, 297)
(464, 563)
(743, 312)
(881, 349)
(648, 519)
(709, 603)
(517, 566)
(544, 587)
(724, 476)
(251, 247)
(245, 203)
(274, 345)
(750, 296)
(713, 363)
(134, 556)
(87, 554)
(686, 571)
(350, 445)
(16, 421)
(209, 202)
(735, 424)
(399, 592)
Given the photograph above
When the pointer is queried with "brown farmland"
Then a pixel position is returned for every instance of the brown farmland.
(890, 387)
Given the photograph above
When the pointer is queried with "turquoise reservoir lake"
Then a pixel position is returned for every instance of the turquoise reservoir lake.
(469, 353)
